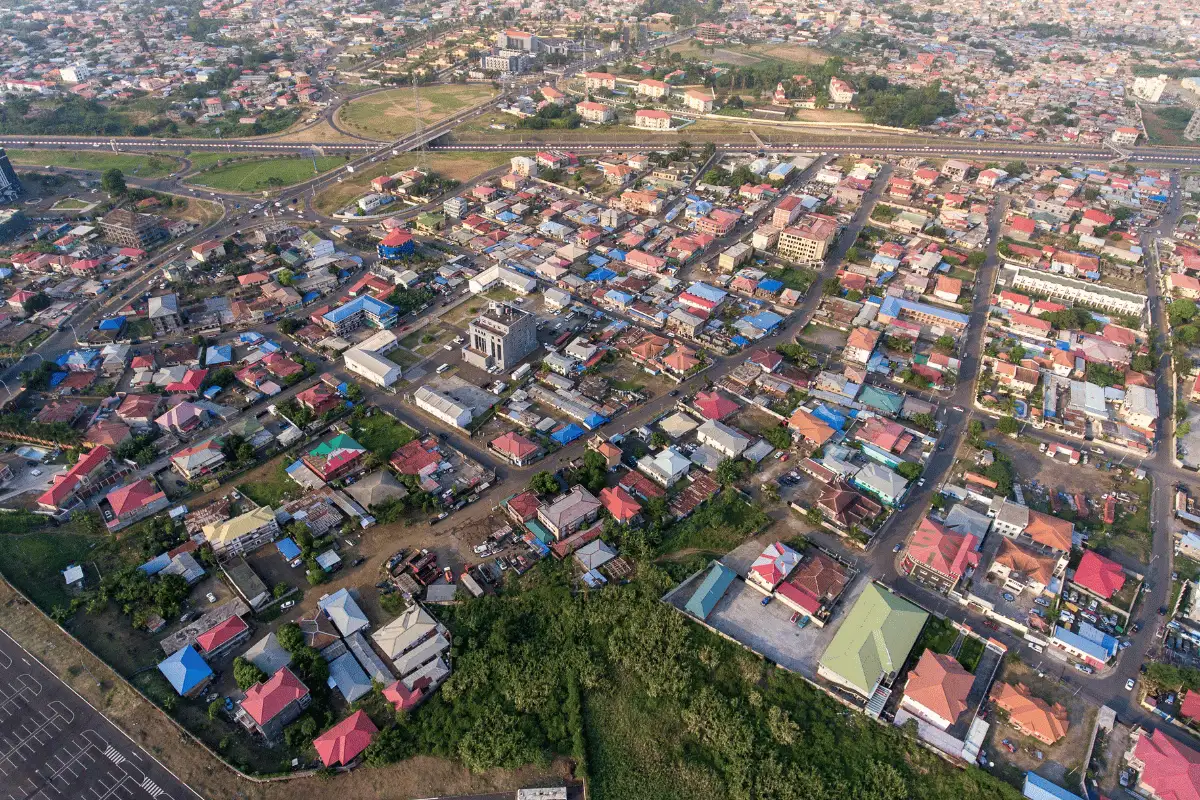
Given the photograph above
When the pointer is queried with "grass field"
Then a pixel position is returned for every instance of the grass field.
(749, 54)
(1165, 125)
(458, 166)
(133, 165)
(392, 114)
(383, 435)
(28, 560)
(320, 131)
(271, 485)
(260, 174)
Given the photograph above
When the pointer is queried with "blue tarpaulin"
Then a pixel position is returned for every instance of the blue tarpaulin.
(740, 341)
(310, 297)
(601, 274)
(567, 434)
(595, 421)
(56, 378)
(830, 417)
(156, 564)
(112, 324)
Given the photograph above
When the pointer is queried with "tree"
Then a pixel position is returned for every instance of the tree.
(779, 437)
(286, 277)
(730, 471)
(1007, 425)
(246, 673)
(290, 637)
(977, 259)
(543, 483)
(113, 182)
(1181, 311)
(944, 344)
(925, 421)
(659, 439)
(831, 287)
(1142, 363)
(909, 471)
(288, 325)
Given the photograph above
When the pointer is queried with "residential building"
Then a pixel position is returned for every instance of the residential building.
(501, 336)
(1166, 768)
(727, 441)
(873, 641)
(163, 313)
(620, 504)
(570, 512)
(335, 458)
(343, 612)
(592, 111)
(841, 92)
(1098, 575)
(860, 345)
(416, 643)
(272, 705)
(881, 482)
(652, 119)
(77, 483)
(666, 467)
(243, 533)
(342, 744)
(1031, 715)
(655, 90)
(1125, 136)
(128, 504)
(937, 689)
(1087, 293)
(772, 567)
(362, 310)
(938, 557)
(809, 240)
(199, 459)
(222, 637)
(599, 80)
(1019, 569)
(698, 100)
(1050, 534)
(516, 449)
(186, 671)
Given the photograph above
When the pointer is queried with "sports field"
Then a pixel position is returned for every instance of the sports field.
(391, 114)
(746, 55)
(259, 174)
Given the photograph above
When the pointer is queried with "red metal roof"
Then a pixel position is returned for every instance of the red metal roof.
(1099, 575)
(265, 700)
(221, 633)
(342, 743)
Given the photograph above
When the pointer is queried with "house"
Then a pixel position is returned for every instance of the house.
(416, 643)
(1019, 569)
(1100, 576)
(881, 482)
(139, 410)
(222, 637)
(727, 441)
(273, 704)
(344, 742)
(343, 612)
(771, 567)
(186, 671)
(710, 591)
(163, 313)
(860, 345)
(653, 89)
(243, 533)
(1024, 524)
(620, 504)
(337, 457)
(652, 119)
(1167, 769)
(516, 449)
(199, 459)
(1031, 715)
(665, 467)
(569, 512)
(592, 111)
(937, 689)
(714, 405)
(78, 482)
(126, 505)
(844, 508)
(939, 557)
(182, 419)
(873, 641)
(209, 250)
(319, 399)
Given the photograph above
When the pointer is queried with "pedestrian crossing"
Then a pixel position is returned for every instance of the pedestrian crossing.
(152, 789)
(113, 755)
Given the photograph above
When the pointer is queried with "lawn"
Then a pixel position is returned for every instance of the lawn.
(392, 114)
(133, 165)
(456, 166)
(271, 485)
(259, 174)
(938, 636)
(720, 525)
(382, 434)
(70, 204)
(970, 653)
(34, 563)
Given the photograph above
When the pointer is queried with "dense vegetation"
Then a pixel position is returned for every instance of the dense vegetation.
(649, 705)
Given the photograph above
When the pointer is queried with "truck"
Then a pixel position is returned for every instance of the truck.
(521, 371)
(471, 585)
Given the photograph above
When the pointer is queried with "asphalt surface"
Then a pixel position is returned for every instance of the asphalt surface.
(54, 745)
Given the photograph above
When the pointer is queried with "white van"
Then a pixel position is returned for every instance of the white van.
(442, 368)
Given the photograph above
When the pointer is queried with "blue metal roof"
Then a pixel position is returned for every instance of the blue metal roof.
(1038, 788)
(112, 324)
(706, 292)
(710, 591)
(567, 434)
(185, 669)
(770, 285)
(288, 548)
(601, 274)
(892, 306)
(1100, 651)
(361, 303)
(156, 564)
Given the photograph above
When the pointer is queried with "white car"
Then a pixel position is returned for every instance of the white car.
(210, 597)
(1129, 685)
(287, 605)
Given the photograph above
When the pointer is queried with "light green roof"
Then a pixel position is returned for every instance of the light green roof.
(874, 639)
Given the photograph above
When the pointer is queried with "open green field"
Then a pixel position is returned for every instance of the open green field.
(34, 561)
(745, 55)
(1165, 124)
(382, 434)
(133, 165)
(457, 166)
(392, 114)
(256, 175)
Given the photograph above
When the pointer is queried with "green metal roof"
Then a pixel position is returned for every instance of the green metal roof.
(875, 638)
(711, 590)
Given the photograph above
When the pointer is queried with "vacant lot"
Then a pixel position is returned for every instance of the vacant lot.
(133, 165)
(1165, 124)
(750, 54)
(255, 175)
(392, 114)
(457, 166)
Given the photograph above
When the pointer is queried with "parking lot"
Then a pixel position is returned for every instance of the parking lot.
(54, 745)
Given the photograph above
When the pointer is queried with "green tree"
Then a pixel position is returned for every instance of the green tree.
(659, 439)
(944, 344)
(290, 637)
(113, 182)
(543, 483)
(1007, 425)
(831, 287)
(1181, 311)
(909, 471)
(779, 437)
(730, 471)
(286, 277)
(246, 673)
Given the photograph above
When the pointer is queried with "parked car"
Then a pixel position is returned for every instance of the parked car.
(898, 548)
(766, 600)
(1008, 596)
(1041, 601)
(287, 605)
(1084, 668)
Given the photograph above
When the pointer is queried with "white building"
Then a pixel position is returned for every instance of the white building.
(592, 111)
(722, 438)
(1085, 293)
(521, 284)
(666, 467)
(375, 368)
(652, 119)
(442, 406)
(1150, 89)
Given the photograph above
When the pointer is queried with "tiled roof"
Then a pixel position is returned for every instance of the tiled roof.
(1099, 575)
(939, 683)
(265, 700)
(342, 743)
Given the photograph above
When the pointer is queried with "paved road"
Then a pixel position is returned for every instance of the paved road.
(54, 745)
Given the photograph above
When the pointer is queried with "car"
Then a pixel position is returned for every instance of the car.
(920, 482)
(766, 600)
(1008, 596)
(210, 597)
(296, 562)
(285, 606)
(898, 548)
(439, 518)
(941, 447)
(1162, 611)
(502, 563)
(357, 561)
(188, 616)
(1137, 626)
(1084, 668)
(673, 393)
